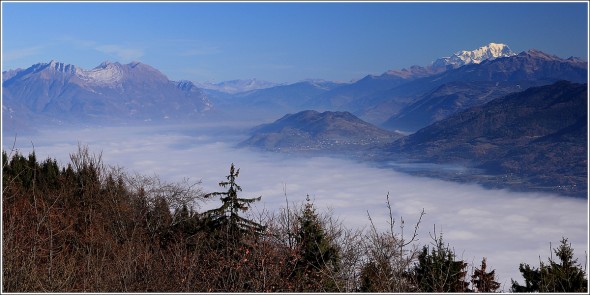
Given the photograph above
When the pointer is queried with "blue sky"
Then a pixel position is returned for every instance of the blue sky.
(281, 42)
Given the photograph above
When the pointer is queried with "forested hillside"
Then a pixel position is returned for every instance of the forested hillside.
(89, 227)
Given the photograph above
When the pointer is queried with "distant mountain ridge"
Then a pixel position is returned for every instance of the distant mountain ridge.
(378, 99)
(237, 86)
(520, 116)
(470, 85)
(268, 103)
(110, 92)
(539, 134)
(405, 100)
(340, 96)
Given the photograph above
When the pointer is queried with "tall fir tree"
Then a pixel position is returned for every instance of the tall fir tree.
(438, 271)
(226, 219)
(483, 281)
(318, 254)
(566, 275)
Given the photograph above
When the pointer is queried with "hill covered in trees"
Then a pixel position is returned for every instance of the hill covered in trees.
(538, 135)
(90, 227)
(314, 131)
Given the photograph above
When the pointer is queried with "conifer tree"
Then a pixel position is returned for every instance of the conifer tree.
(484, 281)
(318, 254)
(185, 222)
(438, 271)
(227, 216)
(563, 276)
(159, 221)
(375, 275)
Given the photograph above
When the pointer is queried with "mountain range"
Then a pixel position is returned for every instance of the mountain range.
(279, 99)
(465, 57)
(108, 93)
(363, 97)
(489, 79)
(539, 135)
(405, 100)
(535, 139)
(372, 98)
(520, 116)
(411, 98)
(236, 86)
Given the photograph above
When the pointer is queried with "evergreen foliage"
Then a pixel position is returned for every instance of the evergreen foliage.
(438, 271)
(375, 275)
(484, 281)
(565, 275)
(227, 217)
(318, 256)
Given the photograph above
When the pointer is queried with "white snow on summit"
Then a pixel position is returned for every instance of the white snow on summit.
(105, 73)
(464, 57)
(61, 67)
(237, 86)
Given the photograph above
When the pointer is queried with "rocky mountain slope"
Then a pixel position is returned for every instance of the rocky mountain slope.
(470, 85)
(465, 57)
(269, 103)
(111, 92)
(387, 99)
(237, 86)
(539, 135)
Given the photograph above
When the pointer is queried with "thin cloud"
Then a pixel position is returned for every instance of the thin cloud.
(117, 51)
(16, 54)
(204, 50)
(188, 47)
(124, 53)
(78, 43)
(273, 66)
(199, 73)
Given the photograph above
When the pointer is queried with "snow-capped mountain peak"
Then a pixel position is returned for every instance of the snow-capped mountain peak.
(110, 91)
(107, 63)
(105, 73)
(464, 57)
(237, 86)
(61, 67)
(109, 74)
(491, 51)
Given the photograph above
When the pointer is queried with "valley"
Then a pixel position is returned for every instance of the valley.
(295, 147)
(471, 109)
(201, 152)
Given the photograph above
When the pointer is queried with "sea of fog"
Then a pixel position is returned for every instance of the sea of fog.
(506, 227)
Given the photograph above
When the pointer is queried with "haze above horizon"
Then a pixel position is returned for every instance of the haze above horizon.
(281, 42)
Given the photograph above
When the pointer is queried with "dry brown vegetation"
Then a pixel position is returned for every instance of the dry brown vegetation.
(89, 227)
